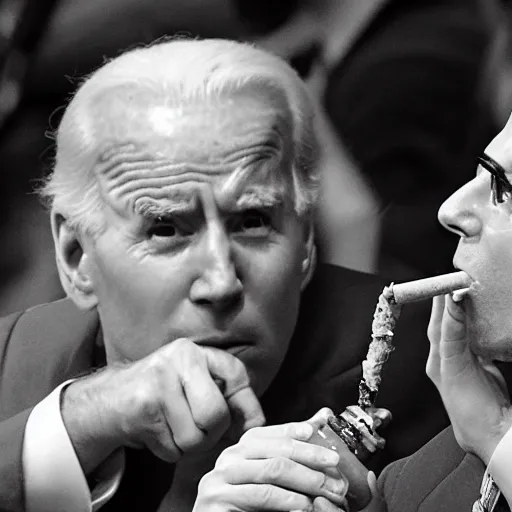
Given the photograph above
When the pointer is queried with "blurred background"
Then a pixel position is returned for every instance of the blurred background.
(409, 94)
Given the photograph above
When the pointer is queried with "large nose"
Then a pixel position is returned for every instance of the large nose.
(462, 212)
(217, 284)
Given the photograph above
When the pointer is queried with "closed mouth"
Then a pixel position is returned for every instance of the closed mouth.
(233, 345)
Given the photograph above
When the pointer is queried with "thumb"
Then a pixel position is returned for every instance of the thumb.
(434, 336)
(236, 388)
(453, 329)
(377, 503)
(436, 318)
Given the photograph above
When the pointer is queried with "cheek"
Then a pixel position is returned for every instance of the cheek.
(135, 301)
(274, 279)
(274, 291)
(490, 314)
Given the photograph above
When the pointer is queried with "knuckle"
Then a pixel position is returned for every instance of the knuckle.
(182, 351)
(181, 344)
(187, 441)
(330, 484)
(264, 495)
(431, 371)
(210, 485)
(239, 367)
(213, 412)
(251, 434)
(321, 481)
(142, 400)
(291, 448)
(275, 468)
(323, 414)
(238, 374)
(228, 458)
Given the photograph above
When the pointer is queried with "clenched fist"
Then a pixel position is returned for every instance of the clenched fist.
(179, 399)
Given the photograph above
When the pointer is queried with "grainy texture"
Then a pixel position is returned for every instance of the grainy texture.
(384, 321)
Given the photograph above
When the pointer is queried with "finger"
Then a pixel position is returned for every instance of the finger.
(237, 388)
(433, 366)
(377, 503)
(453, 348)
(453, 327)
(286, 473)
(321, 504)
(162, 444)
(321, 417)
(208, 407)
(436, 317)
(257, 497)
(178, 415)
(246, 410)
(302, 431)
(381, 417)
(372, 482)
(311, 455)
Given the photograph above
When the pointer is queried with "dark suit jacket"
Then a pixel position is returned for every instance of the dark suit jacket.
(46, 345)
(440, 477)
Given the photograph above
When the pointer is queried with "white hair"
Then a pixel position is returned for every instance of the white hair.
(174, 72)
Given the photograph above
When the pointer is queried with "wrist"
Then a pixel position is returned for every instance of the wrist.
(89, 421)
(488, 447)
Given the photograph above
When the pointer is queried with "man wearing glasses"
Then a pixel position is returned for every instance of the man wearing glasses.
(468, 465)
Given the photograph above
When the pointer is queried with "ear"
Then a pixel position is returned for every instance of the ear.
(309, 262)
(72, 263)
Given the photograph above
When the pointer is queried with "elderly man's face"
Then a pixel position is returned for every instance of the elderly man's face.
(201, 239)
(485, 252)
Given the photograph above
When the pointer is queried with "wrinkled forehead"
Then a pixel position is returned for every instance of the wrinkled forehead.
(194, 128)
(150, 146)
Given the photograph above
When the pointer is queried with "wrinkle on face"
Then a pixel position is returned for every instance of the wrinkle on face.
(183, 201)
(221, 143)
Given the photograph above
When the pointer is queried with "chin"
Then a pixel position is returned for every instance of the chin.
(490, 343)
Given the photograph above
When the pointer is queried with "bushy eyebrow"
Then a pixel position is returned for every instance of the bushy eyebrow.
(255, 197)
(179, 202)
(259, 197)
(183, 203)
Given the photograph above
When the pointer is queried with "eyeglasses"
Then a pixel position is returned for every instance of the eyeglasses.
(500, 186)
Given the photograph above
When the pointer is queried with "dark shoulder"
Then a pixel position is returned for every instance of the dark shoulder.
(439, 476)
(40, 348)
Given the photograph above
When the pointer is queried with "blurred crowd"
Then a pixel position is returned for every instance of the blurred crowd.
(403, 100)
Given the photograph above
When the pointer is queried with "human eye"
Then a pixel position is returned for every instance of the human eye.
(163, 228)
(500, 190)
(254, 223)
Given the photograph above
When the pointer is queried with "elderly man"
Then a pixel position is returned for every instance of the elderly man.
(181, 204)
(469, 332)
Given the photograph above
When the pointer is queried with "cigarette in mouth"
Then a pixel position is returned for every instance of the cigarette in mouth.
(423, 289)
